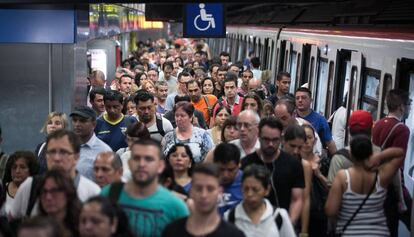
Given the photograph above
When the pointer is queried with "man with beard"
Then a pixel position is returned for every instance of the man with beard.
(204, 103)
(204, 219)
(149, 206)
(157, 125)
(286, 171)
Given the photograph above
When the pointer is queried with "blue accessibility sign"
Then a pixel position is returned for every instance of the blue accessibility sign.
(204, 20)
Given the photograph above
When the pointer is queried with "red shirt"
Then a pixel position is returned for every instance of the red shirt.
(398, 138)
(235, 109)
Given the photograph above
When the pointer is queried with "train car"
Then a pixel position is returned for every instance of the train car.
(357, 65)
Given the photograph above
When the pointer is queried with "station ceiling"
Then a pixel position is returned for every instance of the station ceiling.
(277, 12)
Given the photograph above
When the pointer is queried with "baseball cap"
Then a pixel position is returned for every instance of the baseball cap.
(360, 120)
(84, 112)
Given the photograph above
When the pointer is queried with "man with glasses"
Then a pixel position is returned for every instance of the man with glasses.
(247, 122)
(84, 123)
(286, 171)
(62, 151)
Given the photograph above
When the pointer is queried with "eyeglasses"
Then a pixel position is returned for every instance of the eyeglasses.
(248, 126)
(52, 191)
(62, 153)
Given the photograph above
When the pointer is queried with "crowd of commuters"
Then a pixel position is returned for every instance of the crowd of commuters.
(182, 143)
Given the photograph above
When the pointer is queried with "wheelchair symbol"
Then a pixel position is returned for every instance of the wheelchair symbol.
(203, 16)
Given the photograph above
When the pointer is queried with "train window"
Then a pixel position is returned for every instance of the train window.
(387, 87)
(322, 87)
(370, 91)
(347, 79)
(292, 70)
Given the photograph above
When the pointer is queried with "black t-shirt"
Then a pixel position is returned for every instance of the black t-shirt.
(177, 228)
(288, 174)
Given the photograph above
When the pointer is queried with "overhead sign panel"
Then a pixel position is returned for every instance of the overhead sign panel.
(204, 20)
(37, 26)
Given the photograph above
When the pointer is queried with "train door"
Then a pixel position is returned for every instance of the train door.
(303, 77)
(313, 72)
(280, 56)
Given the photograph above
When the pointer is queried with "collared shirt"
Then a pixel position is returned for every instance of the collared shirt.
(242, 152)
(88, 154)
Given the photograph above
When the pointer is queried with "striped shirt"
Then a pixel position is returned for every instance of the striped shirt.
(370, 221)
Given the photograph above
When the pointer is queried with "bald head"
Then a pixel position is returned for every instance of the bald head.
(284, 112)
(247, 122)
(254, 84)
(107, 168)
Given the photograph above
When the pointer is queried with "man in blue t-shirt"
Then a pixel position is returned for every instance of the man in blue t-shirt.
(149, 206)
(112, 125)
(303, 99)
(227, 158)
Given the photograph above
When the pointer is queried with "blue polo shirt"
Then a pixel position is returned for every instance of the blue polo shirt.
(321, 126)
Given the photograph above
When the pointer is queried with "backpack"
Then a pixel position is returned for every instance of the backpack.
(160, 128)
(343, 152)
(34, 193)
(282, 221)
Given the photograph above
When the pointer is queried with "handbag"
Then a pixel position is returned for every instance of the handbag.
(359, 208)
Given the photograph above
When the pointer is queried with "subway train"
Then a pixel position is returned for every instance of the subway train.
(357, 65)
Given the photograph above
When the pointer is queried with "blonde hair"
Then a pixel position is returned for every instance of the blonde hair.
(51, 115)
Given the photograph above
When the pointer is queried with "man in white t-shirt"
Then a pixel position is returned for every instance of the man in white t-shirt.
(62, 151)
(157, 125)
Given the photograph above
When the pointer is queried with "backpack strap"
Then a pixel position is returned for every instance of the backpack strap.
(115, 191)
(34, 193)
(160, 127)
(210, 110)
(232, 216)
(389, 135)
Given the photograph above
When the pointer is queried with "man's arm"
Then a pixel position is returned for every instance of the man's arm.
(295, 207)
(331, 147)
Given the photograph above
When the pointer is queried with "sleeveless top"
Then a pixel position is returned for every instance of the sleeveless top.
(370, 221)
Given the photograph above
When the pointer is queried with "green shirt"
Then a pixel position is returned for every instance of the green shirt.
(149, 216)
